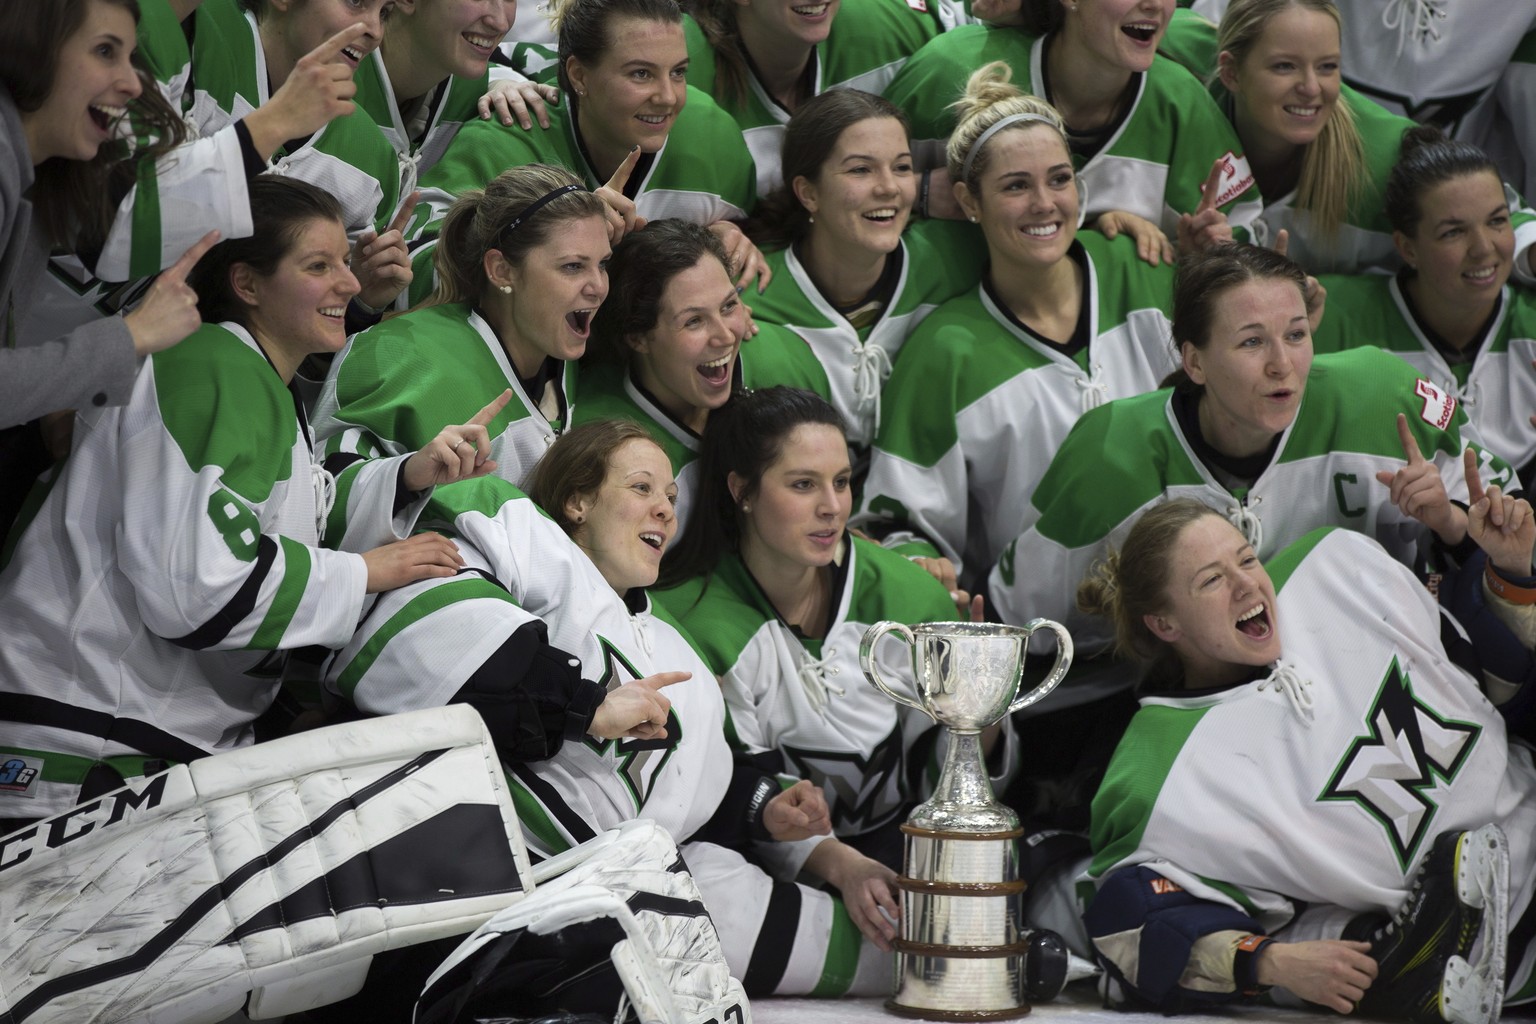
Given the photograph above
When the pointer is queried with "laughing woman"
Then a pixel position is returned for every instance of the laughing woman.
(522, 270)
(990, 384)
(1373, 897)
(1451, 310)
(1143, 131)
(670, 345)
(177, 555)
(847, 280)
(762, 60)
(626, 118)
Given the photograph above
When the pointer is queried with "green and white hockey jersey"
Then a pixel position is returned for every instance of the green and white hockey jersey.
(773, 356)
(984, 402)
(1497, 388)
(681, 182)
(939, 260)
(1153, 166)
(420, 142)
(1328, 787)
(396, 384)
(808, 699)
(1128, 455)
(419, 645)
(867, 44)
(174, 553)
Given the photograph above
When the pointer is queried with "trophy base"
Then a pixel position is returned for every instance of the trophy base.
(923, 1013)
(962, 954)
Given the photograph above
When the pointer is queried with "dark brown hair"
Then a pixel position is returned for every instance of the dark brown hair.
(74, 198)
(1428, 159)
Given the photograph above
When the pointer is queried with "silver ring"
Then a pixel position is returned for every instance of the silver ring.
(456, 445)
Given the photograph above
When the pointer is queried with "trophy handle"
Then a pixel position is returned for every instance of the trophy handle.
(867, 660)
(1058, 670)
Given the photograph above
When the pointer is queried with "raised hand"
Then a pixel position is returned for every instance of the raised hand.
(637, 709)
(382, 263)
(745, 257)
(1419, 492)
(798, 813)
(1207, 226)
(169, 310)
(621, 213)
(513, 98)
(1502, 526)
(460, 452)
(1151, 244)
(318, 90)
(421, 557)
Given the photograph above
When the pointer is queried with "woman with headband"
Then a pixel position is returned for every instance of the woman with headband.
(521, 271)
(1146, 137)
(992, 381)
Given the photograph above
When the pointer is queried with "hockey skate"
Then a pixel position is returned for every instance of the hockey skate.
(1442, 955)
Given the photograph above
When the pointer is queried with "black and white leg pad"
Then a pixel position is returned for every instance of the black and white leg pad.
(280, 868)
(614, 927)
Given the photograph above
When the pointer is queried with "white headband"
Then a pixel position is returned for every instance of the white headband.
(981, 140)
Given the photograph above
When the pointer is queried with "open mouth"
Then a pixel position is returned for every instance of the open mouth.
(653, 120)
(353, 54)
(1483, 275)
(1303, 111)
(718, 371)
(334, 312)
(811, 10)
(104, 117)
(884, 215)
(654, 540)
(1141, 31)
(580, 321)
(1255, 622)
(1042, 230)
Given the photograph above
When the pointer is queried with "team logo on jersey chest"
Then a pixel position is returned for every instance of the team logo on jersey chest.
(861, 791)
(1407, 749)
(639, 761)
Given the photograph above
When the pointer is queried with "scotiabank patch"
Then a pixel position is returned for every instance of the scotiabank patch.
(19, 774)
(1236, 178)
(1439, 406)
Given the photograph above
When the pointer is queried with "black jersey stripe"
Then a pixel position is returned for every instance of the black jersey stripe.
(574, 824)
(775, 941)
(239, 607)
(31, 709)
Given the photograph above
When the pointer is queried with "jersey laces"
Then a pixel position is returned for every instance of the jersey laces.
(814, 673)
(1413, 19)
(1296, 687)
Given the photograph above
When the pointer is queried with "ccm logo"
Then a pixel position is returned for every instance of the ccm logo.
(78, 821)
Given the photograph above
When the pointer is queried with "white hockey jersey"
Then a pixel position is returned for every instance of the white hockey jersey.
(1245, 797)
(176, 550)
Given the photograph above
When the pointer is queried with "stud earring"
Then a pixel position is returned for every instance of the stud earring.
(746, 508)
(812, 219)
(578, 519)
(505, 289)
(973, 218)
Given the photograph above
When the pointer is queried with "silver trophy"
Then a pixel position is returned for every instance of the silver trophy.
(962, 952)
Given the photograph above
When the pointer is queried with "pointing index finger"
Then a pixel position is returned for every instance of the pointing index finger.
(1475, 492)
(183, 266)
(484, 416)
(403, 216)
(621, 176)
(328, 51)
(1210, 187)
(1410, 444)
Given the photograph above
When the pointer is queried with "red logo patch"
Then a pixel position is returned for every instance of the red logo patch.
(1439, 407)
(1236, 178)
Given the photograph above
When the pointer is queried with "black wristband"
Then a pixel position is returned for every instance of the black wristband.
(757, 808)
(1245, 963)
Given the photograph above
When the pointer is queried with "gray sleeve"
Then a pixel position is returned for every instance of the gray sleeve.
(93, 365)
